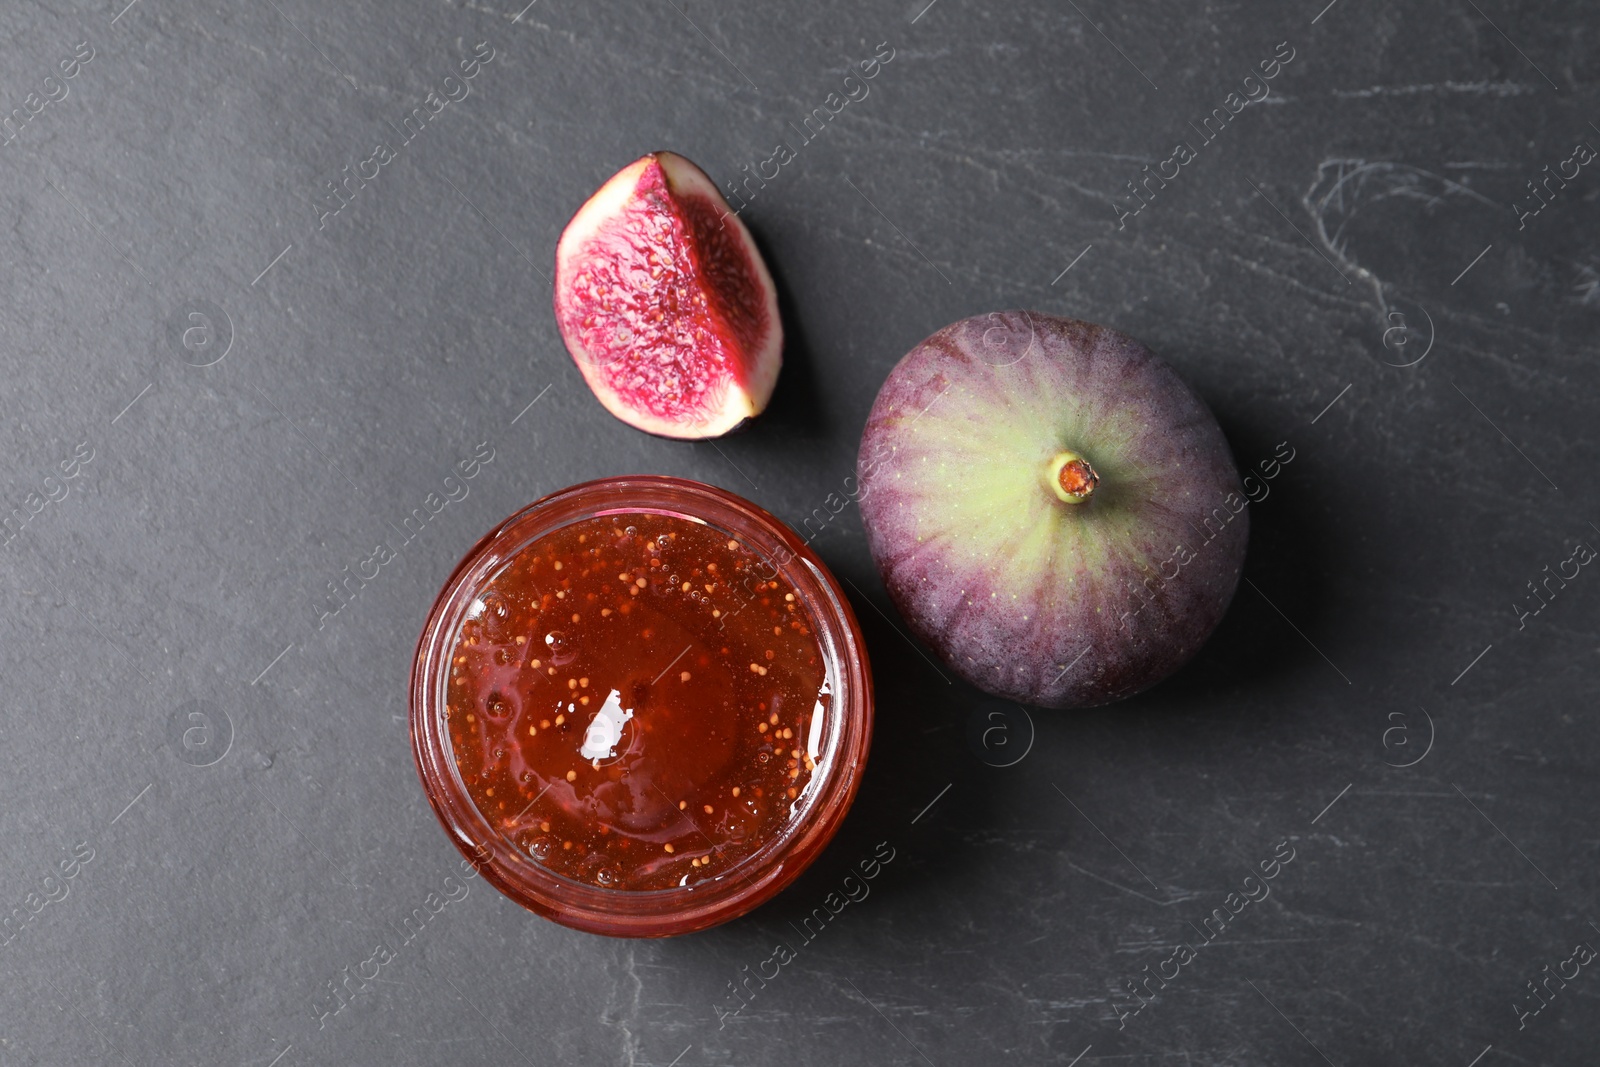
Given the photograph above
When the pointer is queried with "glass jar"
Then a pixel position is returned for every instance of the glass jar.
(837, 757)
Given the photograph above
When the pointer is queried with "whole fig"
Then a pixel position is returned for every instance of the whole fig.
(1051, 508)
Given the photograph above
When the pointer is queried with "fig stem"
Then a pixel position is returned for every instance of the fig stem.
(1071, 477)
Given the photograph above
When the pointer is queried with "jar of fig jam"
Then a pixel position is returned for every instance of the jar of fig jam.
(641, 706)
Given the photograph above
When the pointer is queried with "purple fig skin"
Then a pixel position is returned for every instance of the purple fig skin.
(1022, 592)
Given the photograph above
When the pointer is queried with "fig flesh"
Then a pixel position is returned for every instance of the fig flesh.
(665, 304)
(1051, 508)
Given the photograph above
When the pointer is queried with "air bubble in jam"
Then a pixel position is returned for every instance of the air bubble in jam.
(492, 618)
(561, 647)
(631, 746)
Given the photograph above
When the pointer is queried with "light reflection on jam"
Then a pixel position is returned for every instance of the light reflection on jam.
(636, 703)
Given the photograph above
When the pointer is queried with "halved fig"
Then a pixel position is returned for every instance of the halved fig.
(665, 304)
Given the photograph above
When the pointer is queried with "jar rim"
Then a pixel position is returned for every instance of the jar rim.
(757, 877)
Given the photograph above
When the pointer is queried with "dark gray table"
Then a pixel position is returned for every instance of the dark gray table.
(220, 393)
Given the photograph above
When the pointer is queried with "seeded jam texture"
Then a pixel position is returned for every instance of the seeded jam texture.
(637, 701)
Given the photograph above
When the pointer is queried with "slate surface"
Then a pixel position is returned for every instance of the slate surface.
(1295, 270)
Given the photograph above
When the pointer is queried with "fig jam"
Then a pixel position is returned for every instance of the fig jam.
(634, 701)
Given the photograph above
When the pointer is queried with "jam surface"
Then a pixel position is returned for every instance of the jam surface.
(637, 701)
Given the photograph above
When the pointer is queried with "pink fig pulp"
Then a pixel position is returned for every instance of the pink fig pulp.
(665, 304)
